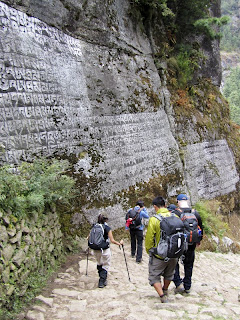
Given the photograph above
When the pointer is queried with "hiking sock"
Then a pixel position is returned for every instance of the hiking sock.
(99, 268)
(165, 291)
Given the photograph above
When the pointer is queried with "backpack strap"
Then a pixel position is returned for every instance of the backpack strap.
(158, 216)
(102, 226)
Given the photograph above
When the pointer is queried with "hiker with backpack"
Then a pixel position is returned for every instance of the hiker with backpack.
(134, 223)
(194, 230)
(99, 240)
(164, 243)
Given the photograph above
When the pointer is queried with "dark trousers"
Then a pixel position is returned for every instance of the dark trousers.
(136, 243)
(188, 269)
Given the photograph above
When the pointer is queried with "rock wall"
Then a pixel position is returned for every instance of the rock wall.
(89, 88)
(28, 246)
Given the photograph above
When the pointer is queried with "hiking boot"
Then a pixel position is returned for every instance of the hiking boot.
(164, 299)
(179, 289)
(100, 284)
(138, 261)
(133, 255)
(187, 291)
(103, 279)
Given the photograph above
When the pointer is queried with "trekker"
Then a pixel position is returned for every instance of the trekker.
(157, 265)
(184, 285)
(136, 231)
(103, 256)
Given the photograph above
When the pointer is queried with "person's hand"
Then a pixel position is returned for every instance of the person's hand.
(121, 242)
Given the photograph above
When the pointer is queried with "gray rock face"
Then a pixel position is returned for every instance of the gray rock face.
(215, 169)
(99, 98)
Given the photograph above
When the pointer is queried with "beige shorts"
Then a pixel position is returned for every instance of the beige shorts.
(103, 258)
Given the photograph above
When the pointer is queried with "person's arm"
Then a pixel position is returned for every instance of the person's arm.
(110, 236)
(144, 213)
(199, 220)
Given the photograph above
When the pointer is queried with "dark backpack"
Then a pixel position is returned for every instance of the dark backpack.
(172, 242)
(136, 221)
(96, 239)
(192, 229)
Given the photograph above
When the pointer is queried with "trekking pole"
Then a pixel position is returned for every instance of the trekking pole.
(87, 262)
(125, 262)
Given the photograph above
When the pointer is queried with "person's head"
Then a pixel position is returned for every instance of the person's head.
(102, 217)
(182, 200)
(158, 202)
(171, 207)
(140, 203)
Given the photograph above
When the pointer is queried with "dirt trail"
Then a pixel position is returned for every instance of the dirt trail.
(74, 296)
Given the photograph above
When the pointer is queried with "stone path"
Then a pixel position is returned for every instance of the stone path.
(73, 295)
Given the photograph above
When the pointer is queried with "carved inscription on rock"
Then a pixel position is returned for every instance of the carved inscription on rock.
(40, 99)
(134, 147)
(210, 169)
(46, 108)
(50, 90)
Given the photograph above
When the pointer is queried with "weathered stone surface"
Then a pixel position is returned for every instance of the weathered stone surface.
(19, 257)
(77, 306)
(199, 304)
(66, 94)
(3, 234)
(10, 290)
(7, 252)
(47, 301)
(12, 232)
(66, 292)
(5, 275)
(214, 160)
(34, 315)
(6, 220)
(25, 230)
(17, 238)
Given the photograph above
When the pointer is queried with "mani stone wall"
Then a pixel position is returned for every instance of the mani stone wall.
(104, 103)
(27, 246)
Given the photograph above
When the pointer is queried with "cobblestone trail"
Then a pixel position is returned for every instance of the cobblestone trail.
(73, 295)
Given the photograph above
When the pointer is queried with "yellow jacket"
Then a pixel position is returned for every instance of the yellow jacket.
(153, 231)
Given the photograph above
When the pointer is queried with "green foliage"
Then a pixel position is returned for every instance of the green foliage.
(231, 91)
(210, 26)
(212, 222)
(35, 282)
(186, 14)
(184, 64)
(161, 5)
(186, 68)
(231, 32)
(34, 186)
